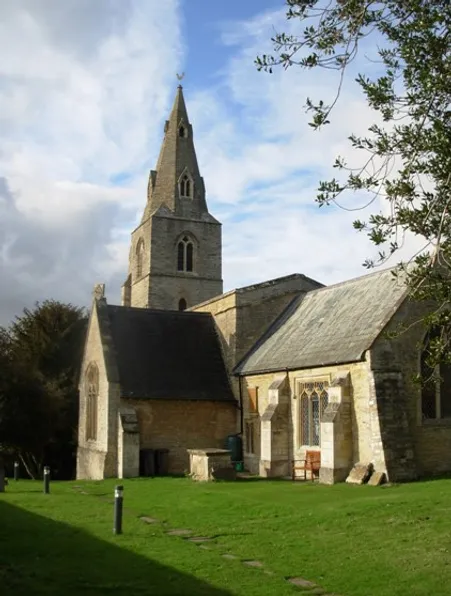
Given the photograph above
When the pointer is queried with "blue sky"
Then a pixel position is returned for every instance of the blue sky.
(85, 88)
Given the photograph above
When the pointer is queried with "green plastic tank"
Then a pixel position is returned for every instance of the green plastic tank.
(234, 443)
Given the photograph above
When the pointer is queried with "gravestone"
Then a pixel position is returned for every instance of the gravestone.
(360, 473)
(377, 478)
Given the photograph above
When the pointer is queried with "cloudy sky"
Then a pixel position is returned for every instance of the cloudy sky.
(85, 88)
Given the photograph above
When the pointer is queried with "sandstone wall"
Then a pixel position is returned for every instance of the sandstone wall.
(180, 425)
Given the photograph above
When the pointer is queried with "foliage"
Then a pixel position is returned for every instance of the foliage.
(39, 357)
(408, 161)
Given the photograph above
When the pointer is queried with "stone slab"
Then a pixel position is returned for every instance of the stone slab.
(377, 478)
(301, 582)
(148, 520)
(253, 563)
(199, 539)
(229, 556)
(359, 473)
(178, 532)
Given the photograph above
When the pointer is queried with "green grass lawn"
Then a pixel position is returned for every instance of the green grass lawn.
(351, 541)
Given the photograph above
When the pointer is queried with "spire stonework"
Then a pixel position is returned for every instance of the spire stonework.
(175, 256)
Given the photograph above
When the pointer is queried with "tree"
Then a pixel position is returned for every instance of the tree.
(408, 161)
(40, 355)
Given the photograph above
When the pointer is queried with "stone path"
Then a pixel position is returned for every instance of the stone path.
(307, 587)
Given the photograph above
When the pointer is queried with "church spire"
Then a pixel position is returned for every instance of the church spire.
(176, 183)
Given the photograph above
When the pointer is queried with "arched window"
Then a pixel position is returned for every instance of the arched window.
(139, 257)
(182, 132)
(436, 384)
(182, 304)
(189, 256)
(185, 187)
(312, 403)
(92, 393)
(185, 254)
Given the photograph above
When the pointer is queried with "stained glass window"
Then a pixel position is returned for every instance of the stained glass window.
(313, 401)
(92, 389)
(436, 387)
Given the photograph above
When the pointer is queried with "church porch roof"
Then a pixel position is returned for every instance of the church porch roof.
(165, 354)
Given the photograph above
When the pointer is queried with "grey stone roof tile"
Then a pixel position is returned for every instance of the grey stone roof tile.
(168, 354)
(331, 325)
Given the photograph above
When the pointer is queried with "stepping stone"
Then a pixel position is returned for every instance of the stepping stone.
(253, 563)
(229, 556)
(149, 520)
(301, 582)
(179, 532)
(199, 539)
(204, 547)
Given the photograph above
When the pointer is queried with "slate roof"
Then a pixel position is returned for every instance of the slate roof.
(168, 354)
(331, 325)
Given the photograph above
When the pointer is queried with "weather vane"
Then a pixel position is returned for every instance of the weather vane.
(180, 76)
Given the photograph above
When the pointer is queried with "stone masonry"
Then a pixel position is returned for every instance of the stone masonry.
(171, 214)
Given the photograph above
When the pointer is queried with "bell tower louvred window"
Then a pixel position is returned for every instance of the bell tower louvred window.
(185, 254)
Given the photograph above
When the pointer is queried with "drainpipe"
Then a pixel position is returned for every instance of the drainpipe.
(241, 406)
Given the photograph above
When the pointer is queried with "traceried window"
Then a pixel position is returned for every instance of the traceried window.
(185, 254)
(139, 257)
(313, 400)
(92, 394)
(436, 385)
(186, 186)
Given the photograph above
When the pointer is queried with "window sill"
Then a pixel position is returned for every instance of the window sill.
(437, 422)
(190, 273)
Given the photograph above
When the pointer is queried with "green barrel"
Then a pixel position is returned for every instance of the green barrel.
(234, 444)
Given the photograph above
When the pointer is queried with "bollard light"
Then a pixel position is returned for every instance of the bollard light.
(16, 470)
(118, 501)
(46, 480)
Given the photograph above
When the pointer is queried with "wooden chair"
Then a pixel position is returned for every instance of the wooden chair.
(312, 463)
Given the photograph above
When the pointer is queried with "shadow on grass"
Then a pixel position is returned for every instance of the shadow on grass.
(42, 556)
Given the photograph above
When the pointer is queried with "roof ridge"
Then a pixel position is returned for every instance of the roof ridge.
(352, 280)
(157, 310)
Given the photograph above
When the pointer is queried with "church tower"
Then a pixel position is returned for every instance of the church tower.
(175, 257)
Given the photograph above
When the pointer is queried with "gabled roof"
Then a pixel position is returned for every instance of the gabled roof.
(332, 325)
(168, 354)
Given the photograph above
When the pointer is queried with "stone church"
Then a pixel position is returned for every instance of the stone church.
(289, 364)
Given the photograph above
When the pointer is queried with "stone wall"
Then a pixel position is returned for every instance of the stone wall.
(179, 425)
(98, 459)
(161, 285)
(243, 315)
(355, 442)
(410, 446)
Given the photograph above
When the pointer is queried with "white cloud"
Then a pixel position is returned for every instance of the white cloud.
(84, 89)
(262, 162)
(80, 85)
